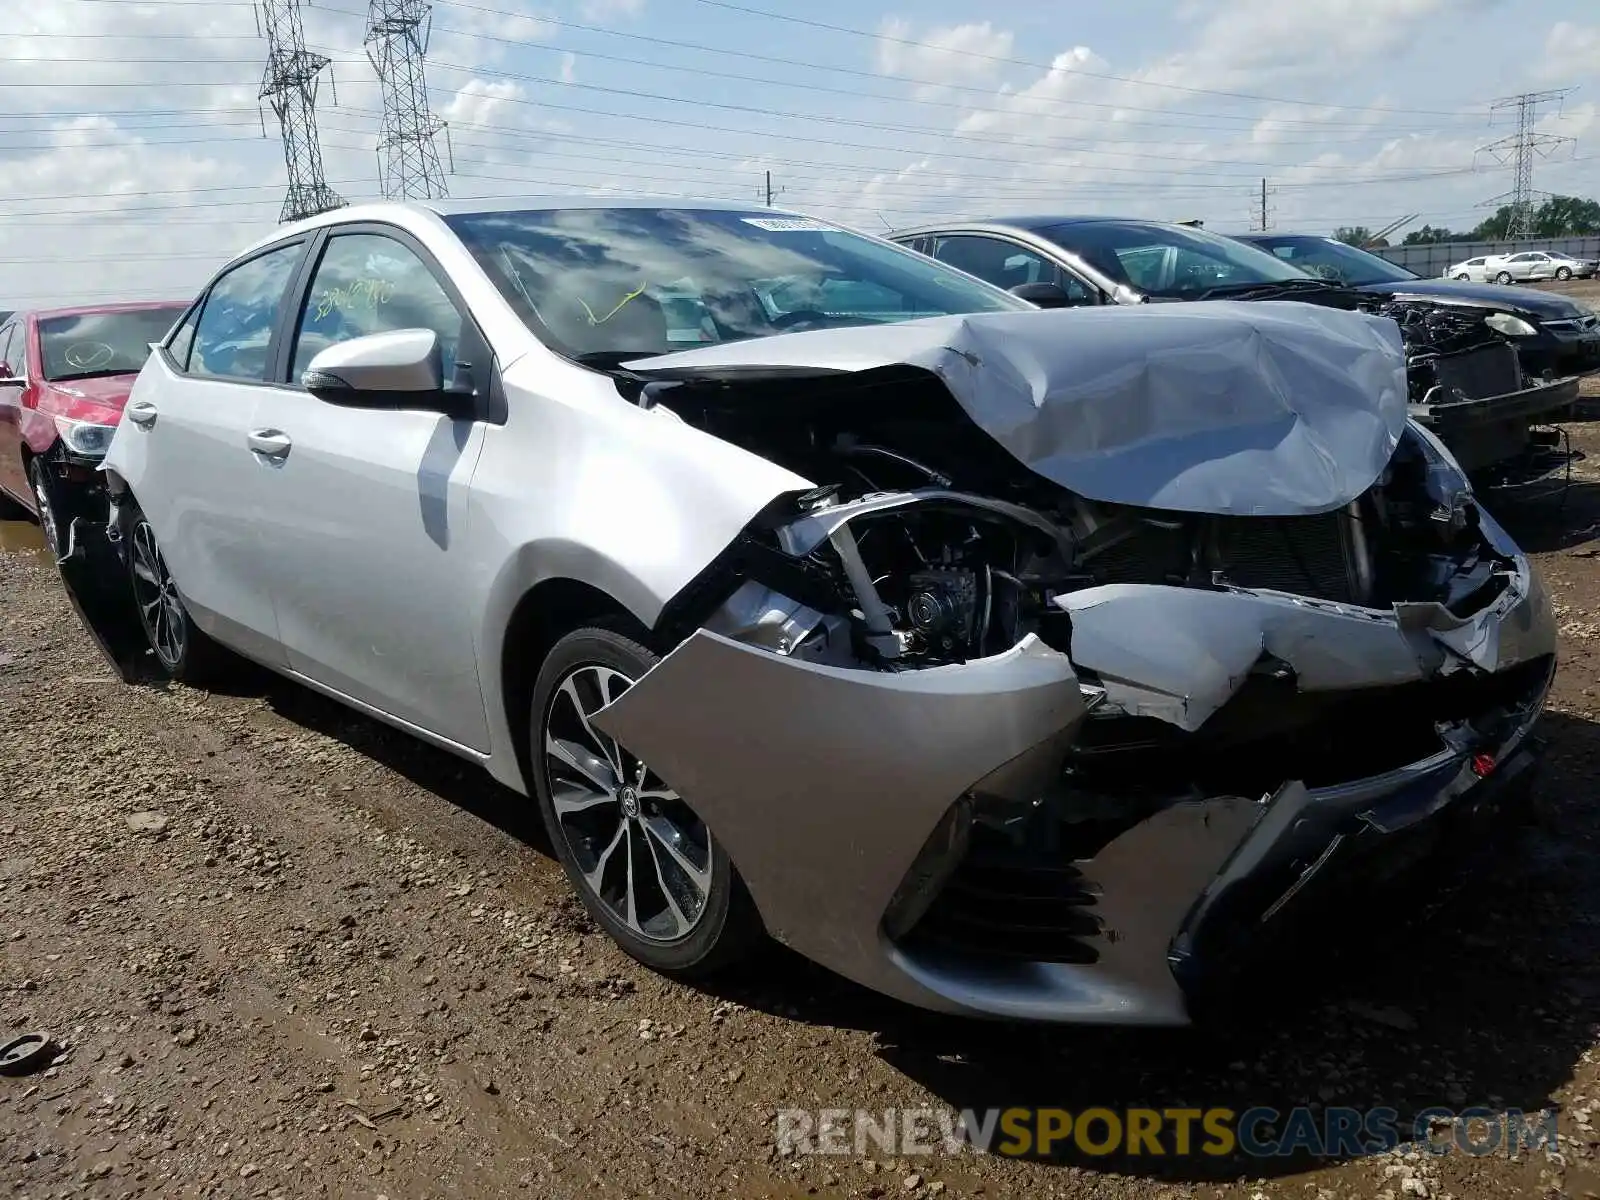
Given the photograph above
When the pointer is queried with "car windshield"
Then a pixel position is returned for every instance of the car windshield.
(1168, 262)
(1336, 260)
(614, 283)
(105, 343)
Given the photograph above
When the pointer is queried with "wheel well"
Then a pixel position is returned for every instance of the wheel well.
(549, 612)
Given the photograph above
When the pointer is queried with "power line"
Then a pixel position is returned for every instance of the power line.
(768, 14)
(290, 83)
(1081, 145)
(811, 67)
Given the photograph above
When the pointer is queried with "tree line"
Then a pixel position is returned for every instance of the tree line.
(1559, 216)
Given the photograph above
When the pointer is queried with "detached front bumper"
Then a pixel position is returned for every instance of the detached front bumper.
(833, 789)
(1488, 430)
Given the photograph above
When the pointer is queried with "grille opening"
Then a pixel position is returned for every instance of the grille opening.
(1308, 556)
(1019, 893)
(1268, 733)
(1007, 903)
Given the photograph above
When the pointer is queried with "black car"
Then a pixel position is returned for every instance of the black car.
(1553, 333)
(1468, 381)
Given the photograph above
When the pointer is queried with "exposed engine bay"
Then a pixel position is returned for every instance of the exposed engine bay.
(929, 544)
(1453, 352)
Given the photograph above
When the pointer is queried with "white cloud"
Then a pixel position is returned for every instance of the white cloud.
(610, 10)
(161, 179)
(1570, 52)
(953, 54)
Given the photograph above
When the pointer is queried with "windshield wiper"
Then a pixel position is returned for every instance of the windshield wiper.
(610, 360)
(1271, 287)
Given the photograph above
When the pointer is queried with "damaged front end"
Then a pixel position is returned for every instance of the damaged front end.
(1468, 386)
(94, 574)
(998, 744)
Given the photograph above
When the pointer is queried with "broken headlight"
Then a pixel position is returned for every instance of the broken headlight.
(1450, 506)
(1509, 325)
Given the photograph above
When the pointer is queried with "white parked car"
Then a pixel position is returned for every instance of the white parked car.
(1473, 270)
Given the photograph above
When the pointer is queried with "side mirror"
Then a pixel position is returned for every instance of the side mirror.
(1045, 295)
(8, 379)
(401, 369)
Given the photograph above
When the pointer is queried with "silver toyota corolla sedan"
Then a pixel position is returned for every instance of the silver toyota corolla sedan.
(1018, 662)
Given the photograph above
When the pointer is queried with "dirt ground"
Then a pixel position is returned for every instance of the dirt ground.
(293, 953)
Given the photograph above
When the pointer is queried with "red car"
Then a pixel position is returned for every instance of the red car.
(64, 376)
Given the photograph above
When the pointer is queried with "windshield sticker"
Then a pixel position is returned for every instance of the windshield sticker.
(790, 224)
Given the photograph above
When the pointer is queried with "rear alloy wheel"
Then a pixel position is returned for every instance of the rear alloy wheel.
(644, 864)
(1563, 273)
(51, 508)
(185, 653)
(1503, 277)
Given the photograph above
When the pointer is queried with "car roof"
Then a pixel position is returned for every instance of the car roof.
(89, 310)
(388, 210)
(1255, 235)
(1031, 223)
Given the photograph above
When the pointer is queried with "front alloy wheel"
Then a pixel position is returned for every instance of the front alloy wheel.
(160, 610)
(642, 853)
(645, 865)
(45, 501)
(1564, 273)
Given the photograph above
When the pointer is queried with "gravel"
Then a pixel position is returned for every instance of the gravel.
(289, 952)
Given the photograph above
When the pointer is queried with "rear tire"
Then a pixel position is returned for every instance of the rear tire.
(185, 653)
(645, 866)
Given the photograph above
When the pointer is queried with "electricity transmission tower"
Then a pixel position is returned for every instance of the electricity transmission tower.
(290, 83)
(1519, 149)
(408, 157)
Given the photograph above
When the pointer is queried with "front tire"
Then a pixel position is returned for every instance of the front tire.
(51, 506)
(646, 867)
(1564, 273)
(1464, 277)
(1504, 277)
(185, 653)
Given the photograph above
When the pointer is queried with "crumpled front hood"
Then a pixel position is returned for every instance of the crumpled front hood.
(1229, 407)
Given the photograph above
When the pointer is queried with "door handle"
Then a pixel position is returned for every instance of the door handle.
(141, 412)
(270, 443)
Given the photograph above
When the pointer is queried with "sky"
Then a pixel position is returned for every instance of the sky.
(138, 157)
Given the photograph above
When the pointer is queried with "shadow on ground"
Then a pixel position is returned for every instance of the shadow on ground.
(1485, 1002)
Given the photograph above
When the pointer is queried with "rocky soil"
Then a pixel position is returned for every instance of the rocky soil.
(289, 952)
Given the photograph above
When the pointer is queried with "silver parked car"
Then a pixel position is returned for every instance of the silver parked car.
(1010, 661)
(1531, 266)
